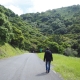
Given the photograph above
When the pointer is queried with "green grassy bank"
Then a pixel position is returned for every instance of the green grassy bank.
(67, 67)
(7, 50)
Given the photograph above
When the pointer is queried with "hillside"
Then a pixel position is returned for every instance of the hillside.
(7, 50)
(16, 32)
(58, 29)
(61, 25)
(56, 21)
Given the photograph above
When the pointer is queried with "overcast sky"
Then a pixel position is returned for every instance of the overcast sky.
(29, 6)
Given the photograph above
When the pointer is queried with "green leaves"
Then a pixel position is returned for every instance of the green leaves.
(3, 33)
(2, 19)
(58, 29)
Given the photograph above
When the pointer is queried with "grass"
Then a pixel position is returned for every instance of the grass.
(7, 51)
(67, 67)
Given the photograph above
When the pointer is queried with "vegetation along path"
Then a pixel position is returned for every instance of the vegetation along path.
(25, 67)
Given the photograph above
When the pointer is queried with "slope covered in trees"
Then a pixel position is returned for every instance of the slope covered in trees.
(56, 21)
(62, 26)
(58, 29)
(16, 32)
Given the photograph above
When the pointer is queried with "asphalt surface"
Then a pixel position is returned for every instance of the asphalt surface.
(25, 67)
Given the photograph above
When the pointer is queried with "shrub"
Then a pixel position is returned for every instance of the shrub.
(70, 52)
(61, 49)
(54, 47)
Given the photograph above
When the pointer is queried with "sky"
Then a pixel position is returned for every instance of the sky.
(32, 6)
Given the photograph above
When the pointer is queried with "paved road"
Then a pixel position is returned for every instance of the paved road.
(25, 67)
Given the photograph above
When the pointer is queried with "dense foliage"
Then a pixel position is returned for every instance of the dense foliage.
(58, 29)
(17, 32)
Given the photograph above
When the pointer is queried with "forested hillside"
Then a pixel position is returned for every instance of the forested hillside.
(15, 31)
(62, 26)
(56, 21)
(58, 29)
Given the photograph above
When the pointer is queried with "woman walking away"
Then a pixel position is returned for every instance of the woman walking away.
(48, 58)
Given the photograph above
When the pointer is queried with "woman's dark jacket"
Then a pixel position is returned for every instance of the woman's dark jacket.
(48, 56)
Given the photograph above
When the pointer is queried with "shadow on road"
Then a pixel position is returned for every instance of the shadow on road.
(42, 74)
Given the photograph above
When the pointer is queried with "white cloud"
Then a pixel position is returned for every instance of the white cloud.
(15, 9)
(17, 6)
(4, 2)
(26, 6)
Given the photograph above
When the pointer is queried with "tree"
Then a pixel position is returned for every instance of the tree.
(61, 30)
(78, 51)
(54, 47)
